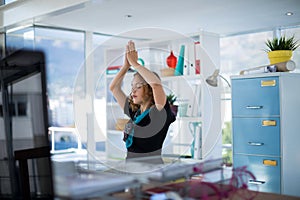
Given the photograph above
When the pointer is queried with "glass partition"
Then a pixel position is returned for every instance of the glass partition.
(64, 55)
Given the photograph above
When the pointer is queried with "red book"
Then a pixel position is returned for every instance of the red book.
(197, 57)
(117, 67)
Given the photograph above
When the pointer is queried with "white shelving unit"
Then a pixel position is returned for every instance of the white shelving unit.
(189, 88)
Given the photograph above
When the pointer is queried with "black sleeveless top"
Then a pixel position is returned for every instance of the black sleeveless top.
(150, 132)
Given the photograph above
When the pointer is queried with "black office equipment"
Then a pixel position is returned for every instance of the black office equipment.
(24, 102)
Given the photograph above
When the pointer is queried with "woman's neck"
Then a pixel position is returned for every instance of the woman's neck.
(145, 106)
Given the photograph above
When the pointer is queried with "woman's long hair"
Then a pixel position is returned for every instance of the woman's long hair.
(147, 91)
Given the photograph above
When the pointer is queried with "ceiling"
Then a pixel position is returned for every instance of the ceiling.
(224, 17)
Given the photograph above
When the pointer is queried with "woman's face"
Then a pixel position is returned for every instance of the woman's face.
(137, 90)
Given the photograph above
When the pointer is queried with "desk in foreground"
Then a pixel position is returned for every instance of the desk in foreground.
(113, 177)
(232, 195)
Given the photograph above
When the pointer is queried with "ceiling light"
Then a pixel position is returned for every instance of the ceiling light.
(289, 13)
(128, 16)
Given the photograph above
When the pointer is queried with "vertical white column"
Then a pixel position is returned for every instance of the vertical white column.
(211, 97)
(89, 80)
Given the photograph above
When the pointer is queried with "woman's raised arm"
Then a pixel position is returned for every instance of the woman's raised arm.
(115, 85)
(152, 79)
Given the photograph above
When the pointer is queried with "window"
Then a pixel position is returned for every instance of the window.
(9, 1)
(296, 54)
(243, 51)
(22, 108)
(64, 52)
(18, 107)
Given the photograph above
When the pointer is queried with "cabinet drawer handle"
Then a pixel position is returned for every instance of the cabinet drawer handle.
(270, 162)
(256, 143)
(254, 107)
(268, 83)
(256, 182)
(268, 123)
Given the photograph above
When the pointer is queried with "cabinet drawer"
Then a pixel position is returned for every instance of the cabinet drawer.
(265, 169)
(255, 96)
(256, 136)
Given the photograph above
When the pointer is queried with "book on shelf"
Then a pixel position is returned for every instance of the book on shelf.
(113, 69)
(197, 57)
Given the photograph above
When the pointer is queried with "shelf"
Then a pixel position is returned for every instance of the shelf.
(167, 78)
(189, 79)
(183, 77)
(191, 119)
(112, 104)
(115, 132)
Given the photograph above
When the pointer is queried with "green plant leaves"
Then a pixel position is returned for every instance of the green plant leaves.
(171, 98)
(282, 43)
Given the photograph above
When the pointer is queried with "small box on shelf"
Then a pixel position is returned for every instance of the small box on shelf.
(167, 72)
(120, 124)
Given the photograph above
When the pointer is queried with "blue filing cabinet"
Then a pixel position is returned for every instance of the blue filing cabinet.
(266, 130)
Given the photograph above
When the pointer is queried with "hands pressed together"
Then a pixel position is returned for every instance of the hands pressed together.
(131, 55)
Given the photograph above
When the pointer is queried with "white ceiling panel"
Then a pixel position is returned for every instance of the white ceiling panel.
(224, 17)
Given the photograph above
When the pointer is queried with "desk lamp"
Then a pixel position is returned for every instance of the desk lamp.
(213, 79)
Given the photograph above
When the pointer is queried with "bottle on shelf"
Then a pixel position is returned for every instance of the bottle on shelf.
(171, 60)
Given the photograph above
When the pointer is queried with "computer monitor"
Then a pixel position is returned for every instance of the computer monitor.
(25, 149)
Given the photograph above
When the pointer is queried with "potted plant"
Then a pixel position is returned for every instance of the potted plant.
(281, 49)
(171, 99)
